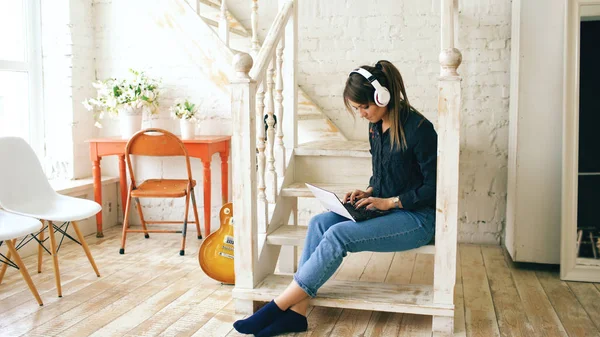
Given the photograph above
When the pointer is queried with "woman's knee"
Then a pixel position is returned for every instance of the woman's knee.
(335, 236)
(321, 222)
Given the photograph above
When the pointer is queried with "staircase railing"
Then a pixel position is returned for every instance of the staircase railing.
(260, 88)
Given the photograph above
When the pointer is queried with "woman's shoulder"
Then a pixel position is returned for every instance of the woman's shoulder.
(418, 123)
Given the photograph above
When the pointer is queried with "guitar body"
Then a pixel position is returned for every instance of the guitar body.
(216, 253)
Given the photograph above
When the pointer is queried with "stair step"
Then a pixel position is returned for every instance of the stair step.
(300, 189)
(294, 236)
(212, 4)
(408, 298)
(309, 116)
(234, 30)
(348, 148)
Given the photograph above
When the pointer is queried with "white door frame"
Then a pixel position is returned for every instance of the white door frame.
(572, 268)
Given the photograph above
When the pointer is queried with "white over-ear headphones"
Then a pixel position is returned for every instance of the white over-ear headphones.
(382, 95)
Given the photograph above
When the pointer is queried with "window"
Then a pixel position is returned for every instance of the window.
(20, 72)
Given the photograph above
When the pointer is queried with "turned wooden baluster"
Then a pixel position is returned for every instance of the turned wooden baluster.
(280, 148)
(224, 24)
(254, 22)
(271, 175)
(261, 140)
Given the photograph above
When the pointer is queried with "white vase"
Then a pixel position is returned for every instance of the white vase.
(130, 122)
(188, 129)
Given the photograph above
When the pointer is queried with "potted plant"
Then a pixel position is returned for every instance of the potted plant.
(126, 98)
(186, 112)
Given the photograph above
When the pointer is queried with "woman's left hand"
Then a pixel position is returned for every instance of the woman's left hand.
(375, 203)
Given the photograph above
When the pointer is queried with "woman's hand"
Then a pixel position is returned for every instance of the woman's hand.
(351, 197)
(382, 204)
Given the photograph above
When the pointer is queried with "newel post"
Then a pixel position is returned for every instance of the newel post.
(448, 129)
(243, 161)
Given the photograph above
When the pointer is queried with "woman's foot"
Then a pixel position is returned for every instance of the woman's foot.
(290, 321)
(260, 320)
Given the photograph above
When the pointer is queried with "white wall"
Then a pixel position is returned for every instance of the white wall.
(335, 37)
(68, 68)
(535, 160)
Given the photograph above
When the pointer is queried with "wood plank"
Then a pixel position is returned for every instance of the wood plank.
(70, 300)
(460, 328)
(479, 308)
(75, 260)
(199, 314)
(119, 285)
(401, 268)
(152, 304)
(511, 316)
(538, 308)
(589, 297)
(116, 309)
(72, 268)
(355, 322)
(24, 312)
(220, 324)
(321, 321)
(299, 189)
(334, 149)
(572, 315)
(180, 307)
(354, 266)
(419, 325)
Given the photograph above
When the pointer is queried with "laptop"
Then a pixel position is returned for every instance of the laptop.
(331, 202)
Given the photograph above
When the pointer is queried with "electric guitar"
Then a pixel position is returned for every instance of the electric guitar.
(216, 252)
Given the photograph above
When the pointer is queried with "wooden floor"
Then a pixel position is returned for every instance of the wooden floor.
(152, 291)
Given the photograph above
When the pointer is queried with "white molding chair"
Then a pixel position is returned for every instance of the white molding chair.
(25, 190)
(13, 226)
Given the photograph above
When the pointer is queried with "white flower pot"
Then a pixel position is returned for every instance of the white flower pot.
(129, 123)
(188, 129)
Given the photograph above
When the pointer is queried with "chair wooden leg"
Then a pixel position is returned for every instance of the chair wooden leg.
(195, 210)
(54, 258)
(86, 249)
(184, 229)
(4, 265)
(40, 251)
(23, 270)
(125, 223)
(139, 210)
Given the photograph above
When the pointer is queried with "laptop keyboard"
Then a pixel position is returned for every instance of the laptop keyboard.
(362, 213)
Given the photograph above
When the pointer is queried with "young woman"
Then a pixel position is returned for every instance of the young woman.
(404, 152)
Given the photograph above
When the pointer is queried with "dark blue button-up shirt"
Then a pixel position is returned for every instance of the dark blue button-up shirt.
(411, 173)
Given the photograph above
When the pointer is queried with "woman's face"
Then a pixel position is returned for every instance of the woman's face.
(370, 111)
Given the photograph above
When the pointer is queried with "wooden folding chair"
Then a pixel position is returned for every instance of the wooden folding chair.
(158, 143)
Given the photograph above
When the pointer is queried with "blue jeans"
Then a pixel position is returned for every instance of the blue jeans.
(330, 237)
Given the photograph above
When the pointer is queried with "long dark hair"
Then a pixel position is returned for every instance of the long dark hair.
(358, 89)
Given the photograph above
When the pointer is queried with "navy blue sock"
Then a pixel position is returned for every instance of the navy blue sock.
(262, 318)
(290, 321)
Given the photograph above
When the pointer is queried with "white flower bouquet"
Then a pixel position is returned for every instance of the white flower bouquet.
(184, 110)
(133, 95)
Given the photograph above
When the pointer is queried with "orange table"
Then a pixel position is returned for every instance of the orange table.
(202, 147)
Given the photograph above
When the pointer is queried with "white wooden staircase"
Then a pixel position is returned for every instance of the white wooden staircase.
(270, 169)
(313, 123)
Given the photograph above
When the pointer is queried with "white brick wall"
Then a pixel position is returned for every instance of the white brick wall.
(69, 68)
(335, 37)
(124, 41)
